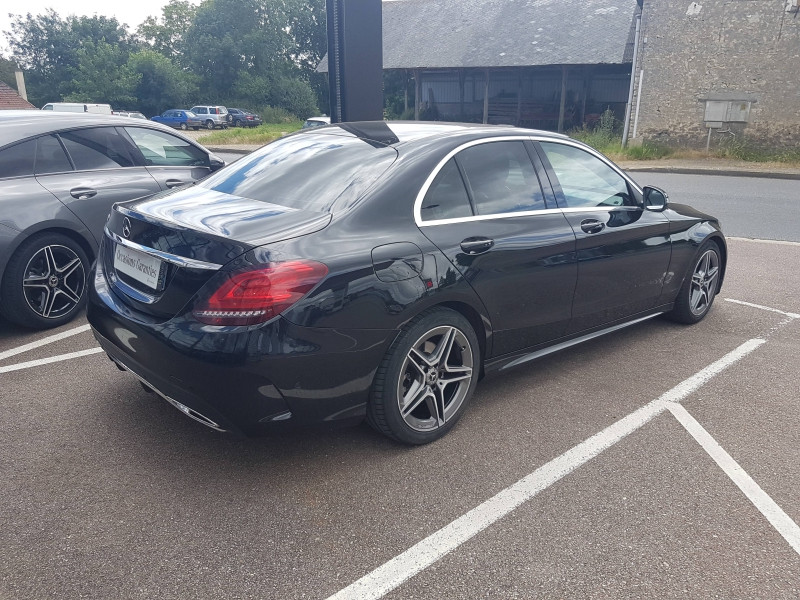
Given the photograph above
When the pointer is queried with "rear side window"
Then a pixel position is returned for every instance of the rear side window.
(447, 197)
(306, 171)
(17, 161)
(100, 148)
(50, 156)
(502, 178)
(166, 150)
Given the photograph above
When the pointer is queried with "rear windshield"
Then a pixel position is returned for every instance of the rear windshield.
(312, 171)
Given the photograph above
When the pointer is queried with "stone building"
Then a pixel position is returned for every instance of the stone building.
(728, 67)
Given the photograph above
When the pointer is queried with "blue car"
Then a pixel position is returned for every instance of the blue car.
(180, 119)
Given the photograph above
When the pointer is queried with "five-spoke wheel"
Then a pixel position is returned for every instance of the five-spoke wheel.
(45, 281)
(426, 378)
(700, 286)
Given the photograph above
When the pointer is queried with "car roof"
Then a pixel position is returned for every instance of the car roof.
(18, 125)
(396, 133)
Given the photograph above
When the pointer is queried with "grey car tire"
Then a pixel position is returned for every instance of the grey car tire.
(44, 284)
(425, 381)
(184, 126)
(209, 124)
(700, 285)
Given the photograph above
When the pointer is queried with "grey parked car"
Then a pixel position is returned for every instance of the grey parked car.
(60, 173)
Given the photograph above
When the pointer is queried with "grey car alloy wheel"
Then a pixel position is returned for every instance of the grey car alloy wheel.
(54, 281)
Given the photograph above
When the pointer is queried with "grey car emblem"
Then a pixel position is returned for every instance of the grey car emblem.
(126, 227)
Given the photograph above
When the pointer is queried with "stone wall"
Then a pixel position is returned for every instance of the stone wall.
(720, 49)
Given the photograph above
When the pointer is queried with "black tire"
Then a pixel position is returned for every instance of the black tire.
(184, 126)
(44, 284)
(432, 367)
(238, 123)
(195, 128)
(209, 124)
(700, 285)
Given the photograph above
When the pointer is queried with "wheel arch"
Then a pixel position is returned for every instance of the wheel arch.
(479, 325)
(87, 245)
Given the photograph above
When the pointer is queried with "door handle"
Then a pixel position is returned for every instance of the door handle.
(592, 226)
(82, 193)
(171, 183)
(476, 245)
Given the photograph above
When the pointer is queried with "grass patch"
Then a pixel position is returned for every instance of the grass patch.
(260, 135)
(611, 145)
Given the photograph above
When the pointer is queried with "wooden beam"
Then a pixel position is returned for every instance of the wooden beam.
(417, 94)
(486, 97)
(563, 99)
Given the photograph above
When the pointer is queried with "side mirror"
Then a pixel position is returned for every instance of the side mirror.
(215, 162)
(655, 199)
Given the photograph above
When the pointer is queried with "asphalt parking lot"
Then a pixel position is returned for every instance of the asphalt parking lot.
(657, 462)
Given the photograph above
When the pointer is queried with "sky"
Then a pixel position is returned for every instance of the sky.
(132, 12)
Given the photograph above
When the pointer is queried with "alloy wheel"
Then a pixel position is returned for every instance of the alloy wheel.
(704, 282)
(435, 378)
(54, 281)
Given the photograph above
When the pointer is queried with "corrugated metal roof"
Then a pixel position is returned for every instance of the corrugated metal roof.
(432, 34)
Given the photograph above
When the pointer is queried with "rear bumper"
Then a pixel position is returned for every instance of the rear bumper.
(243, 379)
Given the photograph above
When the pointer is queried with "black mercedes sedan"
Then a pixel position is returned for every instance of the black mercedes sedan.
(379, 270)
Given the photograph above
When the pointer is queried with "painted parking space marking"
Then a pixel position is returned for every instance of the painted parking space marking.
(43, 342)
(766, 505)
(46, 361)
(396, 571)
(760, 307)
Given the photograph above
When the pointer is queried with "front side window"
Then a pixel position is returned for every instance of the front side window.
(586, 181)
(17, 160)
(99, 148)
(163, 149)
(447, 196)
(502, 178)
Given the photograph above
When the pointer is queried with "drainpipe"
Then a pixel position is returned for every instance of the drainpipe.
(633, 80)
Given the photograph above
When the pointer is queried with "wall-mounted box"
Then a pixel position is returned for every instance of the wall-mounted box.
(727, 111)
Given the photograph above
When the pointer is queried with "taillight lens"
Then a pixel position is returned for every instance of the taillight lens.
(256, 295)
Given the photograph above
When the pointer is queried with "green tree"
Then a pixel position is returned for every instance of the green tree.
(162, 84)
(48, 48)
(103, 75)
(7, 69)
(166, 35)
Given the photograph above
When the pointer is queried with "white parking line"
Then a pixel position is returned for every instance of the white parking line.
(43, 342)
(773, 513)
(422, 555)
(767, 308)
(51, 359)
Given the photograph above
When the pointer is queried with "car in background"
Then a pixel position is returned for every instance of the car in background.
(379, 269)
(60, 173)
(132, 114)
(179, 118)
(213, 116)
(78, 107)
(312, 122)
(244, 118)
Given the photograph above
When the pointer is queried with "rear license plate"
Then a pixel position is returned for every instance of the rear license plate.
(137, 265)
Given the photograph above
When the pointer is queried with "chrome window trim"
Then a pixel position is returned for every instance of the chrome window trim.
(529, 213)
(181, 261)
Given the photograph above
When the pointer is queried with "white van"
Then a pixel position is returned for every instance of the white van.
(78, 107)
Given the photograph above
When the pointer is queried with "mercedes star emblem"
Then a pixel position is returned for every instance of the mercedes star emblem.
(126, 227)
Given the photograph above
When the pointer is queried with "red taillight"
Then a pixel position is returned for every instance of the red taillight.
(256, 295)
